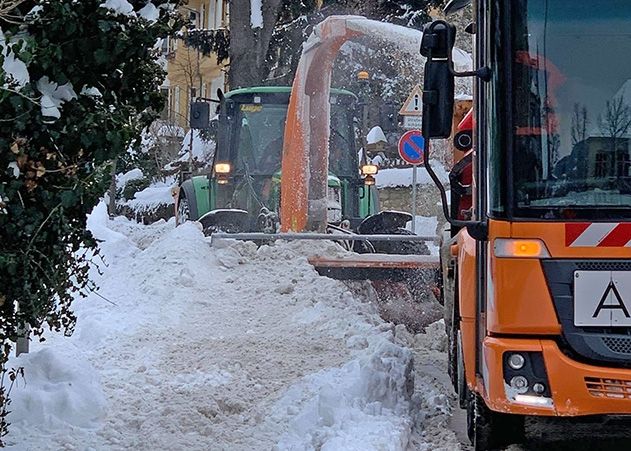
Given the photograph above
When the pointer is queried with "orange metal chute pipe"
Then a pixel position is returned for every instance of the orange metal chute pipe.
(305, 165)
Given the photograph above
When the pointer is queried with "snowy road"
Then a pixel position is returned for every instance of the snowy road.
(231, 349)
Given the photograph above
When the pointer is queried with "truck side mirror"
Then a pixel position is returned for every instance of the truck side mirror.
(438, 88)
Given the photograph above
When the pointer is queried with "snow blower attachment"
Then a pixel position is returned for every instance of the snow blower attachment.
(286, 160)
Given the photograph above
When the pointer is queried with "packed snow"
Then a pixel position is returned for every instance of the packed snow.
(234, 347)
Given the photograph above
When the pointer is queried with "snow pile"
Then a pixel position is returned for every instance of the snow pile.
(362, 405)
(231, 347)
(390, 178)
(62, 388)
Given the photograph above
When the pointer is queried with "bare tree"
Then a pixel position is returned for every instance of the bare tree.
(616, 121)
(579, 124)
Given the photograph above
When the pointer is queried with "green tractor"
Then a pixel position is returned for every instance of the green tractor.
(242, 191)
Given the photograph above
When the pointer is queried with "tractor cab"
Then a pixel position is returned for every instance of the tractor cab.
(244, 189)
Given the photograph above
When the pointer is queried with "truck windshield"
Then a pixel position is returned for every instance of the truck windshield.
(260, 136)
(571, 85)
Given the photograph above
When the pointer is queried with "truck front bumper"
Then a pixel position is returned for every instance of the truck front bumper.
(577, 389)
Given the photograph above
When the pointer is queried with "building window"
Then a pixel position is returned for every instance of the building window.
(176, 105)
(601, 167)
(622, 164)
(164, 114)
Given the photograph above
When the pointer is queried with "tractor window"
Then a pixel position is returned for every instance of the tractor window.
(260, 138)
(260, 134)
(342, 154)
(571, 109)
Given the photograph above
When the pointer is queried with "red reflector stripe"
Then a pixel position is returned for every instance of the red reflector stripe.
(574, 230)
(618, 237)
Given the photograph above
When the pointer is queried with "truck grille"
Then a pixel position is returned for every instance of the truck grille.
(608, 388)
(611, 345)
(618, 344)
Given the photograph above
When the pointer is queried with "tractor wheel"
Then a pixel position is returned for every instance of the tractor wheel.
(183, 210)
(490, 430)
(401, 247)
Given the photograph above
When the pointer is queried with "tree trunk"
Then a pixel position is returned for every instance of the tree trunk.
(111, 205)
(249, 46)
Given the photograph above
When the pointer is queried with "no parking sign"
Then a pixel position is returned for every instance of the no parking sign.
(412, 147)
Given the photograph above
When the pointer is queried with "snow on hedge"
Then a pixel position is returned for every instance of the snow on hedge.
(152, 197)
(231, 347)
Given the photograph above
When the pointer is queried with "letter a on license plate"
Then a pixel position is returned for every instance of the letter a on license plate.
(602, 298)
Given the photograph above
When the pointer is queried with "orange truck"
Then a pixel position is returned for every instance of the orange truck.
(536, 266)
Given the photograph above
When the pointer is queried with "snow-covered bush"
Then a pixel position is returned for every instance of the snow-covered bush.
(78, 83)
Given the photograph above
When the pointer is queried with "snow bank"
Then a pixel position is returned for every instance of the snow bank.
(361, 406)
(231, 347)
(62, 388)
(389, 178)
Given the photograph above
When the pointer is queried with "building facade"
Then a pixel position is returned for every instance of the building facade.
(191, 75)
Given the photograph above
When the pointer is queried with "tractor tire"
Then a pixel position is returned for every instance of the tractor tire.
(401, 247)
(183, 210)
(488, 430)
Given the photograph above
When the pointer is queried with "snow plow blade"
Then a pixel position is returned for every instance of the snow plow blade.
(375, 266)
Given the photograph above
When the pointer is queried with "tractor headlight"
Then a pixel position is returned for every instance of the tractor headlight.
(370, 169)
(223, 168)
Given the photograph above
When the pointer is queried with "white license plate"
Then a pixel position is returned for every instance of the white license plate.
(602, 298)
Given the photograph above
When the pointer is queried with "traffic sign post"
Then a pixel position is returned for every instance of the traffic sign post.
(412, 150)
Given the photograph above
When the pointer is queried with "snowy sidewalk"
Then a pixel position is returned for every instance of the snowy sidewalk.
(230, 349)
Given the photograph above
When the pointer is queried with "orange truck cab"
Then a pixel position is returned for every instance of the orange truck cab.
(537, 270)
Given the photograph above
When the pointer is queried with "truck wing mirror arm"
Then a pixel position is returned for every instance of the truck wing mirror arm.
(479, 230)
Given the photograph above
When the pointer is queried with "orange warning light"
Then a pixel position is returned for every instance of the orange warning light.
(517, 248)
